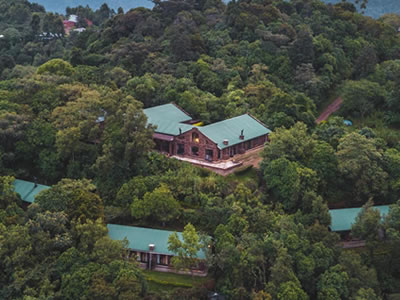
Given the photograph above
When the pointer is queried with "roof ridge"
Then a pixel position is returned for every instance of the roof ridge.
(222, 121)
(257, 120)
(31, 191)
(177, 106)
(141, 227)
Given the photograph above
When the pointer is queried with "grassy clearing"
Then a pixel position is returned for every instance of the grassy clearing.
(160, 281)
(377, 123)
(250, 174)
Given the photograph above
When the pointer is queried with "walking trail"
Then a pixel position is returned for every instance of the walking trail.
(333, 107)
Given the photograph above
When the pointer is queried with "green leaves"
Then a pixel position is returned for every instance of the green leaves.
(360, 161)
(159, 205)
(186, 250)
(75, 197)
(56, 67)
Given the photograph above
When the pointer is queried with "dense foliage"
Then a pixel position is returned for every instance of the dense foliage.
(71, 116)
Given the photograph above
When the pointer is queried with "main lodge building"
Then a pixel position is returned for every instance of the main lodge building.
(176, 134)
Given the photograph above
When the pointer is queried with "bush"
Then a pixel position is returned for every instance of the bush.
(242, 170)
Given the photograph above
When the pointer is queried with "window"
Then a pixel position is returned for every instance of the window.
(209, 155)
(195, 151)
(163, 260)
(181, 149)
(144, 257)
(195, 137)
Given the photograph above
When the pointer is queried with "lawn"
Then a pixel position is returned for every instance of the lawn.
(162, 281)
(248, 174)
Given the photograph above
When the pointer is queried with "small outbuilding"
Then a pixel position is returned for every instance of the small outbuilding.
(150, 247)
(343, 219)
(28, 190)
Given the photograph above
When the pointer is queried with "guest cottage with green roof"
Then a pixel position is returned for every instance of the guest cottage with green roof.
(150, 246)
(344, 218)
(175, 134)
(28, 190)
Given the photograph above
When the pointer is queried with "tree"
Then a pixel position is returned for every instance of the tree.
(291, 291)
(366, 294)
(361, 276)
(159, 205)
(186, 250)
(361, 98)
(137, 187)
(12, 130)
(325, 163)
(294, 144)
(333, 284)
(368, 226)
(360, 162)
(288, 182)
(35, 23)
(127, 140)
(7, 192)
(57, 67)
(302, 50)
(76, 198)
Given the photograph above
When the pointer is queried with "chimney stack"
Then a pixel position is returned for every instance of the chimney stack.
(242, 135)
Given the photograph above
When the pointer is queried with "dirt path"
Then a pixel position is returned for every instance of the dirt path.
(251, 157)
(333, 107)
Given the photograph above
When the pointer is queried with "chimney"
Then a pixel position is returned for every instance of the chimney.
(152, 247)
(226, 142)
(241, 135)
(35, 182)
(180, 131)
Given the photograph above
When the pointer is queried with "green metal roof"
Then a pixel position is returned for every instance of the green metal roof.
(27, 190)
(231, 129)
(343, 219)
(168, 118)
(140, 238)
(171, 127)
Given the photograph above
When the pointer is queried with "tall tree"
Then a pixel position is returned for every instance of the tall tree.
(186, 250)
(360, 162)
(159, 205)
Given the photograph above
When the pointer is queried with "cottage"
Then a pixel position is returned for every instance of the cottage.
(150, 247)
(177, 134)
(28, 190)
(343, 219)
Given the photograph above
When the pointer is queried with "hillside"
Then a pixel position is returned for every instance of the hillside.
(375, 8)
(89, 129)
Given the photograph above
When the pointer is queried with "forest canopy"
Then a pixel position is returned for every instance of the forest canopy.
(71, 117)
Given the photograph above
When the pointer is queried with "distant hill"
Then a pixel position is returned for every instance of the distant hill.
(60, 5)
(376, 8)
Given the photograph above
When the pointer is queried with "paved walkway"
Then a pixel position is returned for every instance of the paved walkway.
(223, 165)
(226, 167)
(352, 244)
(333, 107)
